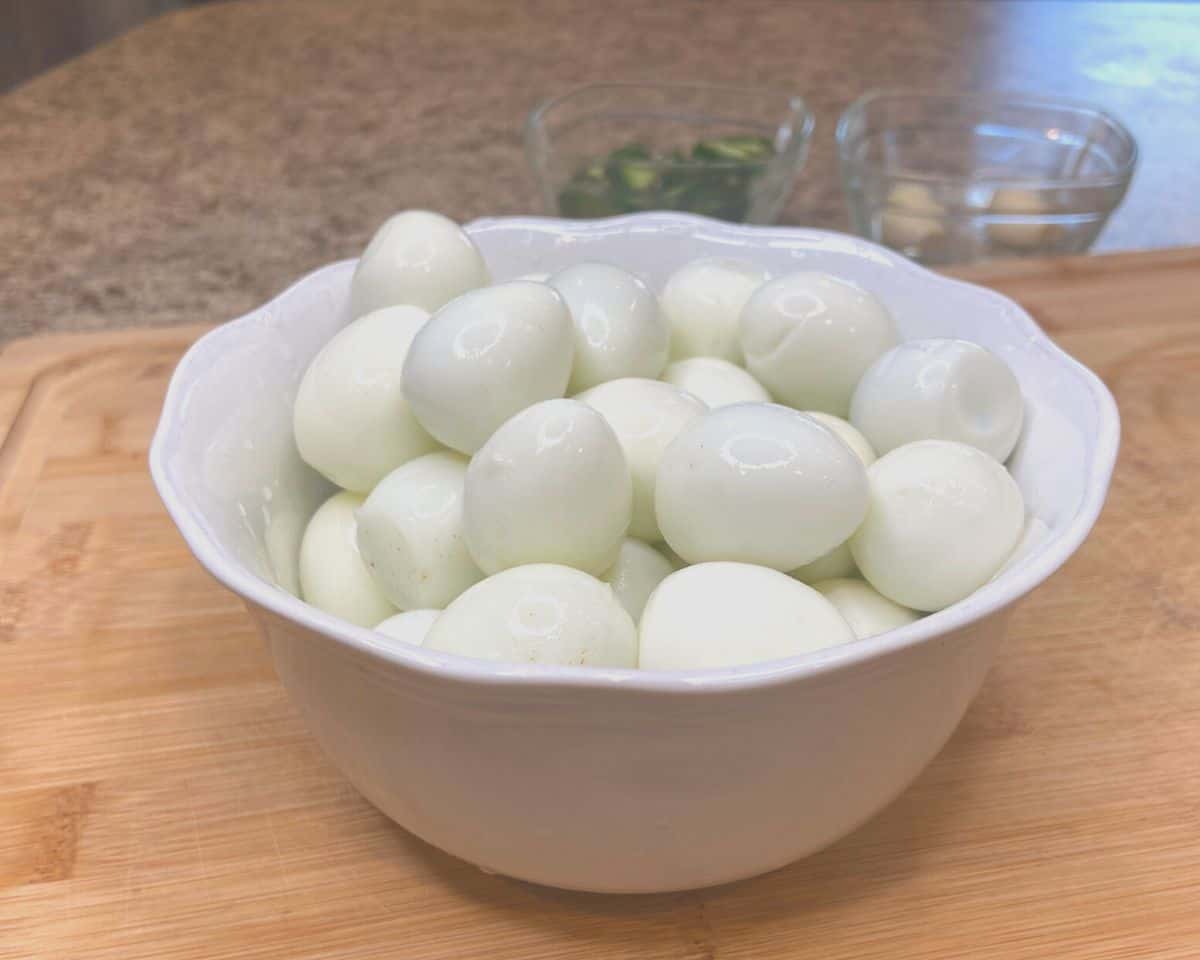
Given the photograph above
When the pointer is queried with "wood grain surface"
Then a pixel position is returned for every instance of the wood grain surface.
(159, 797)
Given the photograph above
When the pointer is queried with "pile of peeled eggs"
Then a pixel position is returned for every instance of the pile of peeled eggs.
(572, 469)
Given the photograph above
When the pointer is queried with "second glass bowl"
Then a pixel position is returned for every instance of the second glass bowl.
(950, 178)
(727, 152)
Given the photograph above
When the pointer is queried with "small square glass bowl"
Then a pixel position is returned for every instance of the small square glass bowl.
(732, 153)
(953, 178)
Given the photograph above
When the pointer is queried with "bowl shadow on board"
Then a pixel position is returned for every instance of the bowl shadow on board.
(885, 850)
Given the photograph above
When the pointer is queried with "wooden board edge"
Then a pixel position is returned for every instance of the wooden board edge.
(1054, 269)
(38, 350)
(34, 368)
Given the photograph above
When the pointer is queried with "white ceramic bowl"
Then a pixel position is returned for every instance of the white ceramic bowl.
(615, 780)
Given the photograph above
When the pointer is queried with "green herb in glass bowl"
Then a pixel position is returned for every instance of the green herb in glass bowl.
(714, 179)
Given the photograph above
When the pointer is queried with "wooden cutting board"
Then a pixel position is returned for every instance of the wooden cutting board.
(159, 797)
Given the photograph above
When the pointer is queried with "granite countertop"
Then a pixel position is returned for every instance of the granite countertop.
(196, 165)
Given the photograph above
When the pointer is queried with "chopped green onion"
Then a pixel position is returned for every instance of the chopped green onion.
(714, 179)
(733, 149)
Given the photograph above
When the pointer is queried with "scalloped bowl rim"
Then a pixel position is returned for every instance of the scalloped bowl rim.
(1015, 583)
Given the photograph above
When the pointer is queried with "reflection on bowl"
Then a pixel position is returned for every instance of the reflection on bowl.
(605, 779)
(947, 178)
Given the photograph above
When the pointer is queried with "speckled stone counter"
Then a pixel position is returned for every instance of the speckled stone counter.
(195, 166)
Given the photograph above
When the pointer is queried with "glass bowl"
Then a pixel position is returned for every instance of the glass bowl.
(952, 178)
(732, 153)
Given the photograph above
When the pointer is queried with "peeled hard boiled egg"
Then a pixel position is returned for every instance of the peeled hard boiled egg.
(619, 331)
(866, 610)
(847, 433)
(838, 562)
(550, 486)
(702, 301)
(409, 627)
(486, 356)
(333, 576)
(410, 532)
(943, 518)
(675, 560)
(939, 389)
(416, 257)
(350, 419)
(715, 381)
(725, 614)
(638, 570)
(758, 483)
(539, 613)
(646, 415)
(809, 336)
